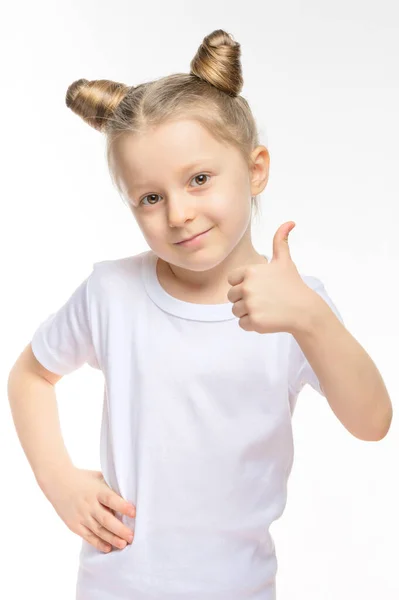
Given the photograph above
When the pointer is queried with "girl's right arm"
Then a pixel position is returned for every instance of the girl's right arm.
(34, 409)
(81, 497)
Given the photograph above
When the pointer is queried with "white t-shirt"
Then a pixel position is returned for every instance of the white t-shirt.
(196, 433)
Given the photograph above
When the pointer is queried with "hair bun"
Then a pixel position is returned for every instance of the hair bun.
(217, 61)
(95, 101)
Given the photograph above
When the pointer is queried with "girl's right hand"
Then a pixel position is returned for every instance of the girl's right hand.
(86, 504)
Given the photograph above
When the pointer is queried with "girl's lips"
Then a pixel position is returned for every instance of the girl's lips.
(194, 240)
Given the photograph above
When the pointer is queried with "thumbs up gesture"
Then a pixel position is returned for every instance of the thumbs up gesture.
(272, 297)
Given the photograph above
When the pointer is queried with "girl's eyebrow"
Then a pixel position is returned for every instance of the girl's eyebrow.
(140, 184)
(196, 163)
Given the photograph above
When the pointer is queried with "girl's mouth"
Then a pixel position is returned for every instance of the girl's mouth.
(194, 240)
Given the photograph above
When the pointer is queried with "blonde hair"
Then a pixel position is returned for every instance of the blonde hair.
(209, 94)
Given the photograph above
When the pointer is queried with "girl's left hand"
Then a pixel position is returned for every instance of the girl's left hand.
(271, 297)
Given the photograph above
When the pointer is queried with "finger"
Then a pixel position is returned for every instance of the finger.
(109, 498)
(235, 293)
(104, 533)
(240, 309)
(93, 539)
(111, 510)
(281, 249)
(107, 520)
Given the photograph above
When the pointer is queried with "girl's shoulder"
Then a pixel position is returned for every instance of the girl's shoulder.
(311, 281)
(125, 263)
(116, 271)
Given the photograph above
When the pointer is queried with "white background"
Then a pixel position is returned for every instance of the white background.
(322, 81)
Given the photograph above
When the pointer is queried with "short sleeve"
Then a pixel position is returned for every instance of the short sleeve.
(63, 341)
(300, 370)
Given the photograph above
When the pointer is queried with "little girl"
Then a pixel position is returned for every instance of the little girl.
(196, 437)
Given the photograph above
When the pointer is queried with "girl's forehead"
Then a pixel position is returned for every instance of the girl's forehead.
(184, 136)
(176, 153)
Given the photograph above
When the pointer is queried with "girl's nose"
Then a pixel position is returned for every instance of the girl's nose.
(179, 211)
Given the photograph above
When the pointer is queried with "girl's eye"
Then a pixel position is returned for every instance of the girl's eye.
(154, 195)
(201, 175)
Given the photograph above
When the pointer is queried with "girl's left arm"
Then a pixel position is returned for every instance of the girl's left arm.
(349, 378)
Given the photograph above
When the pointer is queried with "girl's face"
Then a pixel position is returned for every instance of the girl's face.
(179, 182)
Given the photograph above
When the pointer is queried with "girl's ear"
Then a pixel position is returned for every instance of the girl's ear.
(260, 169)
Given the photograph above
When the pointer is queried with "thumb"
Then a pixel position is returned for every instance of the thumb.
(281, 248)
